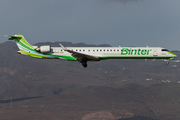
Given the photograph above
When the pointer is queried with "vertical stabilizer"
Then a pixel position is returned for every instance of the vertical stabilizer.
(22, 44)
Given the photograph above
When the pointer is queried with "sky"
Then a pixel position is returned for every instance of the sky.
(153, 23)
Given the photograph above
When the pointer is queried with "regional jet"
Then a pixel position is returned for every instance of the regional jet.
(85, 54)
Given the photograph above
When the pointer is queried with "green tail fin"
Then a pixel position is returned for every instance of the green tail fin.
(27, 49)
(22, 44)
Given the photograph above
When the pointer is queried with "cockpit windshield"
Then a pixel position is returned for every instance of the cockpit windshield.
(165, 50)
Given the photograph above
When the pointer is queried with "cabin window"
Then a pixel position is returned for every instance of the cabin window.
(165, 50)
(118, 50)
(100, 50)
(93, 50)
(83, 50)
(89, 50)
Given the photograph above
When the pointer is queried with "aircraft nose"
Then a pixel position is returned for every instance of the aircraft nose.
(173, 55)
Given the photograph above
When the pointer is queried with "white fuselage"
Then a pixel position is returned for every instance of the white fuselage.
(118, 52)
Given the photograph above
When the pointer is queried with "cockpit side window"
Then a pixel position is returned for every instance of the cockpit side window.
(165, 50)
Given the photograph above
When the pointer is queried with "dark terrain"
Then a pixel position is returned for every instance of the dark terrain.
(37, 89)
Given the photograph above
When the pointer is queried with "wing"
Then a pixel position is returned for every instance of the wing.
(80, 56)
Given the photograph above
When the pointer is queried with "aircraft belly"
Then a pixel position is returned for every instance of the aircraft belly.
(133, 57)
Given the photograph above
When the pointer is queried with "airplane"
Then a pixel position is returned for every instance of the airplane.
(85, 54)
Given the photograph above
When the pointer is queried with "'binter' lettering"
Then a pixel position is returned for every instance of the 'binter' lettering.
(126, 51)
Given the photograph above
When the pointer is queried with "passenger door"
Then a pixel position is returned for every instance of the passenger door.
(155, 52)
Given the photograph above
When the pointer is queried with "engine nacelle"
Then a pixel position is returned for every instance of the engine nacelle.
(44, 49)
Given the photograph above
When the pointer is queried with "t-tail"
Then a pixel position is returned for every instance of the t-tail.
(22, 44)
(27, 49)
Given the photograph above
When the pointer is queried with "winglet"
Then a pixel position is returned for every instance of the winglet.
(63, 47)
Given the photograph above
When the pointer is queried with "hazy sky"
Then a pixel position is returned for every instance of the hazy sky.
(116, 22)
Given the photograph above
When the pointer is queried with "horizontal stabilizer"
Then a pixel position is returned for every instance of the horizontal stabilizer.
(14, 37)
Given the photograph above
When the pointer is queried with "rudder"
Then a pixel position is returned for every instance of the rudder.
(21, 42)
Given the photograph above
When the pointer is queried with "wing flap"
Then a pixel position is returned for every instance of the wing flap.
(80, 55)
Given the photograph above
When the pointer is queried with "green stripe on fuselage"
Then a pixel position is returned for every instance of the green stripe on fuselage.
(130, 57)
